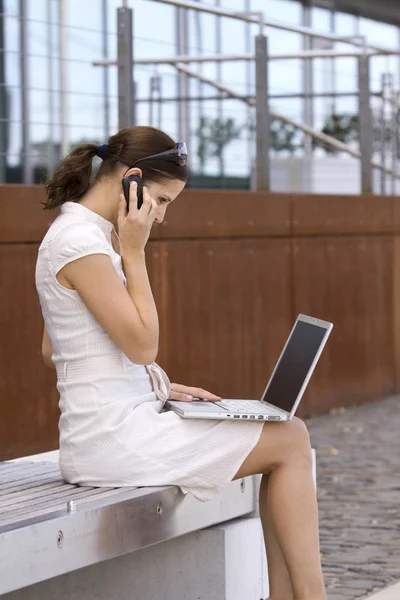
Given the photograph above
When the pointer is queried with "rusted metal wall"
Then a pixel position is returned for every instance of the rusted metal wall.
(230, 272)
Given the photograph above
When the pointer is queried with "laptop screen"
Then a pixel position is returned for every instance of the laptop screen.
(294, 365)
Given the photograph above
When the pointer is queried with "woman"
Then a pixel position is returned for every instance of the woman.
(101, 333)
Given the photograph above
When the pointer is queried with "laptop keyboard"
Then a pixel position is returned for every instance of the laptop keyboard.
(247, 406)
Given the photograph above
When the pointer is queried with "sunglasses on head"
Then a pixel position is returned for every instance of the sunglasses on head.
(177, 154)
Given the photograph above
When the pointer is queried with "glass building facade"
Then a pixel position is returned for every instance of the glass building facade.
(52, 97)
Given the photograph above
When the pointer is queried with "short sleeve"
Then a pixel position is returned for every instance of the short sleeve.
(74, 241)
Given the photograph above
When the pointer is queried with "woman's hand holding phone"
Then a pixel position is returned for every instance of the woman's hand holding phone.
(134, 230)
(134, 226)
(126, 184)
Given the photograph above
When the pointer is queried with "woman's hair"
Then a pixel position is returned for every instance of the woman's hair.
(72, 178)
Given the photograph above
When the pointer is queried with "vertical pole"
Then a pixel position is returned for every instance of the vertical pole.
(62, 40)
(160, 106)
(26, 151)
(387, 132)
(333, 64)
(4, 112)
(220, 113)
(106, 76)
(126, 88)
(383, 133)
(262, 115)
(200, 85)
(50, 139)
(397, 139)
(155, 97)
(397, 58)
(250, 109)
(308, 83)
(393, 135)
(151, 100)
(365, 123)
(182, 78)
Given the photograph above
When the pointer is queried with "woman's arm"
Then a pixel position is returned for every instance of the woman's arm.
(127, 314)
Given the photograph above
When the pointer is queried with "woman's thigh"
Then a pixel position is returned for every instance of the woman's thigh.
(278, 443)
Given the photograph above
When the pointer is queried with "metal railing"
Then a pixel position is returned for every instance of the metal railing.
(251, 18)
(261, 99)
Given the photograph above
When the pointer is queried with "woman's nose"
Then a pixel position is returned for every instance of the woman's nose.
(160, 215)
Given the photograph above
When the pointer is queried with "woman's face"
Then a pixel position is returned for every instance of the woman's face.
(164, 193)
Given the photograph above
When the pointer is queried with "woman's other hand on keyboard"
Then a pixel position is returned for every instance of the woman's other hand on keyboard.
(184, 393)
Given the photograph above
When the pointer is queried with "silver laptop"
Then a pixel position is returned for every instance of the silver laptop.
(285, 388)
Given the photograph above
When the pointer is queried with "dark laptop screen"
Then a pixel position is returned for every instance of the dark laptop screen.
(294, 365)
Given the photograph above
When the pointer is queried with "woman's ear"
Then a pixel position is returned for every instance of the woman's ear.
(134, 171)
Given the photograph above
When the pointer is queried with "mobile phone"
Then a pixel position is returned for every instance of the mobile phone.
(126, 182)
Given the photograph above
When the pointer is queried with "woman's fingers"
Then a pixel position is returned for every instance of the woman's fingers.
(194, 392)
(207, 395)
(180, 396)
(133, 198)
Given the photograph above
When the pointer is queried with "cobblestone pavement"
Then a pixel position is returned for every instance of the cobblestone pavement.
(358, 479)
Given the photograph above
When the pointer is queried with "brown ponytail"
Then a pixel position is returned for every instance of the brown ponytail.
(71, 179)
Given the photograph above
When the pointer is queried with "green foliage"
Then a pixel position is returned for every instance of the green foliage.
(283, 136)
(343, 127)
(213, 135)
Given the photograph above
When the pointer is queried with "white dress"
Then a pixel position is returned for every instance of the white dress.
(113, 429)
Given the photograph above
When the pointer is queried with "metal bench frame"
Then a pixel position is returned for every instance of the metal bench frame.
(48, 527)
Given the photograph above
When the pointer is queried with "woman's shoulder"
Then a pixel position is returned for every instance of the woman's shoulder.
(66, 230)
(68, 238)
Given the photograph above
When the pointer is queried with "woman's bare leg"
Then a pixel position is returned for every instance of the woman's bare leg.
(284, 452)
(278, 574)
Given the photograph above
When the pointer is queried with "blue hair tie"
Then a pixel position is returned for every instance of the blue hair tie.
(102, 151)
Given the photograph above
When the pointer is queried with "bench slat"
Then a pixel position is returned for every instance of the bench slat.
(31, 489)
(21, 471)
(43, 493)
(30, 483)
(19, 520)
(40, 507)
(26, 496)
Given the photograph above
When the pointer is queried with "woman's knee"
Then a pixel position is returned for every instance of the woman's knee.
(299, 432)
(279, 443)
(291, 442)
(297, 440)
